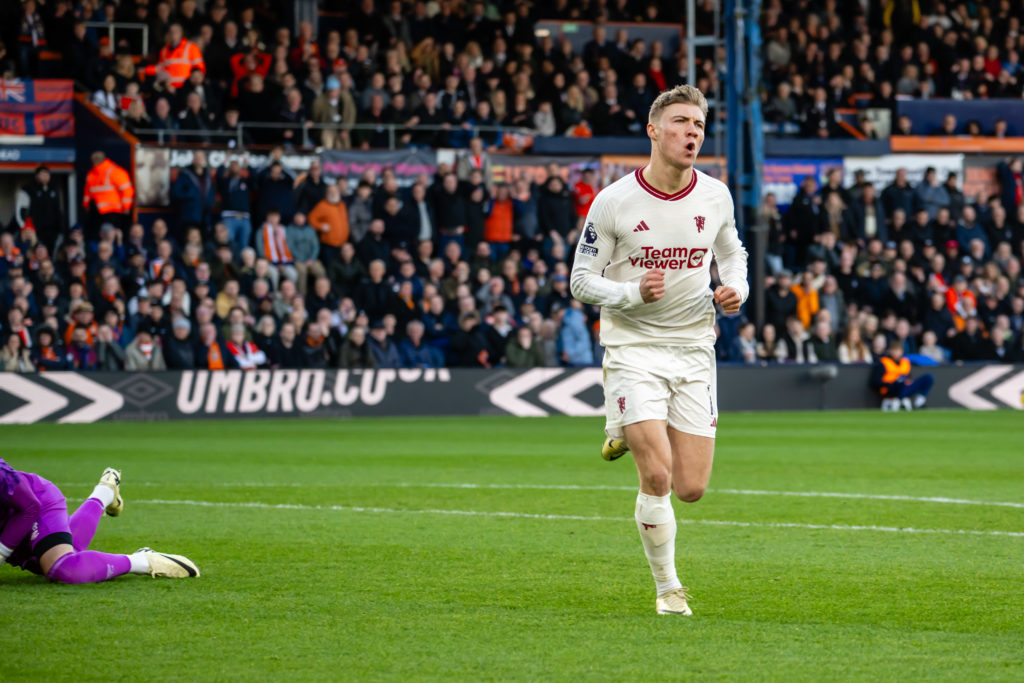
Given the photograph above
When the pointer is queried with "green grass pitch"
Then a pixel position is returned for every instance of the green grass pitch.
(504, 549)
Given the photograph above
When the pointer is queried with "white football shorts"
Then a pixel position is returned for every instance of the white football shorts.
(678, 384)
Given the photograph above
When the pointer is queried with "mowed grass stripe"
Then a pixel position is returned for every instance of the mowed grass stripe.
(583, 518)
(580, 487)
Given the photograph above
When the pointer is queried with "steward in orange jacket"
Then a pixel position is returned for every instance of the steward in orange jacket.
(109, 190)
(177, 59)
(891, 379)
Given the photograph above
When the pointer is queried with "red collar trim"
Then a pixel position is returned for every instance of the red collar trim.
(661, 195)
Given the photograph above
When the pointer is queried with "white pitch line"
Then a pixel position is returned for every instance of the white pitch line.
(942, 500)
(580, 518)
(872, 496)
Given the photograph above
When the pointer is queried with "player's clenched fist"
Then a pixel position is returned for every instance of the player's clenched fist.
(729, 299)
(652, 285)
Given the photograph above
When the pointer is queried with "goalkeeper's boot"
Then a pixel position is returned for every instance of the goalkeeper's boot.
(673, 602)
(613, 449)
(112, 480)
(170, 566)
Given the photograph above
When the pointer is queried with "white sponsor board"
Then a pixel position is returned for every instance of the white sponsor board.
(42, 400)
(880, 171)
(1007, 389)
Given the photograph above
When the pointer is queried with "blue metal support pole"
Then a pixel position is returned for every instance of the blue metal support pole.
(745, 143)
(753, 105)
(735, 119)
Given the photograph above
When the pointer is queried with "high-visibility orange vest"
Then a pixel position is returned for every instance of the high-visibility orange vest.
(894, 371)
(178, 61)
(498, 227)
(109, 187)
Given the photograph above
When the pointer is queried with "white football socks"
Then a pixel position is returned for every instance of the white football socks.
(656, 522)
(140, 563)
(104, 494)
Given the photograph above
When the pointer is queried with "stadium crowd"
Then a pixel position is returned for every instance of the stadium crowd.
(819, 55)
(476, 65)
(445, 272)
(267, 270)
(453, 66)
(919, 263)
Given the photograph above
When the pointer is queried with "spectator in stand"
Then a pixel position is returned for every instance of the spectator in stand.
(374, 246)
(273, 246)
(247, 355)
(143, 354)
(867, 217)
(804, 220)
(469, 344)
(195, 121)
(555, 210)
(852, 348)
(355, 351)
(235, 188)
(107, 100)
(930, 195)
(211, 352)
(179, 346)
(329, 217)
(80, 354)
(770, 349)
(584, 192)
(193, 191)
(382, 347)
(287, 351)
(304, 246)
(275, 191)
(961, 301)
(743, 348)
(898, 195)
(14, 357)
(414, 350)
(450, 210)
(969, 229)
(297, 122)
(821, 346)
(806, 293)
(574, 338)
(1010, 173)
(474, 158)
(523, 351)
(335, 107)
(41, 208)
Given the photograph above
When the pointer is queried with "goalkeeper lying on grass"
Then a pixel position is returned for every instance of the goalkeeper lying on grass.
(37, 535)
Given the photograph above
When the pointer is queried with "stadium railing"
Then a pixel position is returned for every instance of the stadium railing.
(112, 26)
(394, 130)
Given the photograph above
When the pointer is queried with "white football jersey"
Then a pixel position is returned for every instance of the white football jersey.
(633, 228)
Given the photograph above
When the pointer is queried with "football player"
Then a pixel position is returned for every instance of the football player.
(37, 535)
(644, 256)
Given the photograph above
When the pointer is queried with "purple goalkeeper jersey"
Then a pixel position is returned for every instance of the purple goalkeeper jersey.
(20, 496)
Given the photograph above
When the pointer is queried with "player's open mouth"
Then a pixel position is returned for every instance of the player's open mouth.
(691, 147)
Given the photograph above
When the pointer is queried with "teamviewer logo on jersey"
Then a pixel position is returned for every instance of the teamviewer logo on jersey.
(641, 227)
(700, 223)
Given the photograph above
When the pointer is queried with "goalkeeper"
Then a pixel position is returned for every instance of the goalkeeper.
(37, 535)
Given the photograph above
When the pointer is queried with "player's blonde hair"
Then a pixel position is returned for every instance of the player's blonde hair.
(681, 94)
